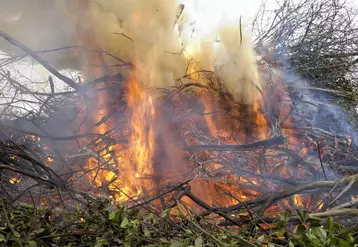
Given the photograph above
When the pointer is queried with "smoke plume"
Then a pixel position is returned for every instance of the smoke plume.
(141, 32)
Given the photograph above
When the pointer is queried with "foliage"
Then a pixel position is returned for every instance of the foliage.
(317, 39)
(315, 232)
(102, 224)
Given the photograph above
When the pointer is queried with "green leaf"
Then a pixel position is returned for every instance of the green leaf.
(301, 229)
(287, 214)
(316, 222)
(333, 241)
(351, 239)
(124, 222)
(344, 243)
(77, 207)
(146, 232)
(100, 242)
(271, 245)
(199, 242)
(176, 244)
(135, 222)
(290, 244)
(323, 232)
(330, 224)
(280, 233)
(260, 239)
(319, 232)
(38, 231)
(26, 205)
(281, 223)
(165, 213)
(300, 216)
(346, 231)
(32, 244)
(111, 215)
(2, 238)
(17, 235)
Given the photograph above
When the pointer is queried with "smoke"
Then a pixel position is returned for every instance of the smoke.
(40, 25)
(314, 107)
(141, 32)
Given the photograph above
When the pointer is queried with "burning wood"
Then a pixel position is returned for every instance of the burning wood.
(228, 141)
(220, 177)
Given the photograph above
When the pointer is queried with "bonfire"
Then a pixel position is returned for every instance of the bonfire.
(180, 137)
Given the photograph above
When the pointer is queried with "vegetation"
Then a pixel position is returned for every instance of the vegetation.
(102, 224)
(316, 40)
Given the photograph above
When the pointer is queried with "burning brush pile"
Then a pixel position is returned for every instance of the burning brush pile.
(207, 146)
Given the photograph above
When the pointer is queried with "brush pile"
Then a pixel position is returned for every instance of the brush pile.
(218, 157)
(294, 188)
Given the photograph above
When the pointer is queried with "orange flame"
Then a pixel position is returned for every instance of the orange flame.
(142, 137)
(14, 180)
(130, 173)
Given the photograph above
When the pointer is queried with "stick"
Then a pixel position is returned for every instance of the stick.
(280, 140)
(304, 187)
(39, 59)
(336, 212)
(343, 192)
(320, 160)
(74, 137)
(180, 10)
(347, 204)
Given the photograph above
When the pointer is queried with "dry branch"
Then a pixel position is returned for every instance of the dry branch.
(38, 58)
(280, 140)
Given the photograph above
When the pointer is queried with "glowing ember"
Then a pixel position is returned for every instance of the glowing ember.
(14, 180)
(50, 160)
(298, 201)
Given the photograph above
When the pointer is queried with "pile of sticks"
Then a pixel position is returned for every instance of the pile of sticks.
(260, 177)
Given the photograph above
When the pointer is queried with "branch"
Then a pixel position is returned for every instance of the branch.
(336, 212)
(39, 59)
(280, 140)
(74, 137)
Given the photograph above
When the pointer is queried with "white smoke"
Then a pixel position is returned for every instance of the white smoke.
(141, 32)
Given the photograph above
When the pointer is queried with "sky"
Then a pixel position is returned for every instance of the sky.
(209, 14)
(213, 10)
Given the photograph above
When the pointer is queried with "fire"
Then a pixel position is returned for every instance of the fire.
(134, 162)
(98, 175)
(260, 120)
(217, 55)
(298, 201)
(50, 160)
(232, 103)
(142, 136)
(209, 112)
(14, 180)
